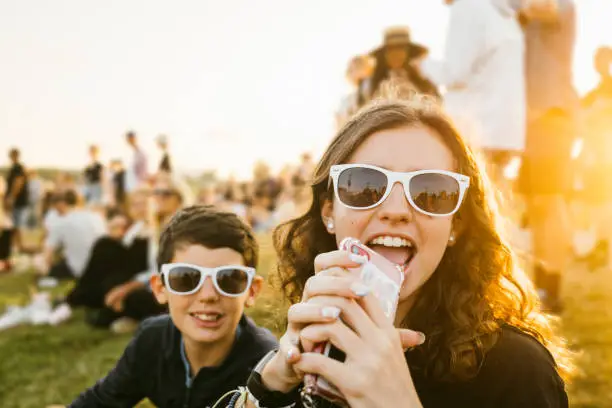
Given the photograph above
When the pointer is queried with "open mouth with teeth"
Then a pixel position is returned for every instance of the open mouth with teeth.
(397, 250)
(207, 317)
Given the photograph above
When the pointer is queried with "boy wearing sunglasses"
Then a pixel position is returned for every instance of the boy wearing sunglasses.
(206, 346)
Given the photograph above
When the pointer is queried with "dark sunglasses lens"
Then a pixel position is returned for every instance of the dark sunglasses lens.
(435, 193)
(361, 187)
(232, 281)
(183, 278)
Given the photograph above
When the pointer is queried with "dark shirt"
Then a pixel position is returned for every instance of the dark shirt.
(119, 186)
(16, 171)
(165, 165)
(517, 372)
(152, 367)
(93, 173)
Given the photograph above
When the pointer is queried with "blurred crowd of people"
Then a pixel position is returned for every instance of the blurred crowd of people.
(100, 228)
(506, 81)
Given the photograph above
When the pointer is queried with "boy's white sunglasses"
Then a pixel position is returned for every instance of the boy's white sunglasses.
(437, 193)
(186, 279)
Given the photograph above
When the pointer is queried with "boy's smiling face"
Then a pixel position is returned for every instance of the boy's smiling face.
(192, 314)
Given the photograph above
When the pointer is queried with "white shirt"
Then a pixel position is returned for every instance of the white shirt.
(137, 172)
(484, 73)
(51, 219)
(76, 233)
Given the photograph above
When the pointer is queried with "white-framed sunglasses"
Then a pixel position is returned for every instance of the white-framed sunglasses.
(186, 279)
(437, 193)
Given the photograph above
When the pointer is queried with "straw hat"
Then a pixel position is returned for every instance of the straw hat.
(400, 36)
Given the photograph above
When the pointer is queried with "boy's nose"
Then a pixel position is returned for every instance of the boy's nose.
(207, 292)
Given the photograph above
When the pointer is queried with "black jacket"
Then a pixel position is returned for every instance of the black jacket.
(151, 367)
(517, 372)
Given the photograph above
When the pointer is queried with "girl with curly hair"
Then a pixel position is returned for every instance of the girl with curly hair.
(468, 330)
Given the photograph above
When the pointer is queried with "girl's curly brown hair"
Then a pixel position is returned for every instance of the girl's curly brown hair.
(476, 289)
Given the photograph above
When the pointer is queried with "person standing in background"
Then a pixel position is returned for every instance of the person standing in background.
(16, 197)
(398, 66)
(359, 70)
(137, 172)
(6, 234)
(94, 174)
(596, 162)
(165, 164)
(552, 103)
(602, 93)
(35, 197)
(484, 76)
(118, 183)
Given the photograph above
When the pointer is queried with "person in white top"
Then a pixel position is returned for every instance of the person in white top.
(138, 170)
(75, 233)
(483, 71)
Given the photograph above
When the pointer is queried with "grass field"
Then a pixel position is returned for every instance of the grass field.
(51, 365)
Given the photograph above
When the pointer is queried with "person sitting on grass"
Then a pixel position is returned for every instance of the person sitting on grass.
(206, 346)
(74, 234)
(115, 285)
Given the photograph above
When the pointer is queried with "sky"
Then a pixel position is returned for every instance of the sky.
(230, 82)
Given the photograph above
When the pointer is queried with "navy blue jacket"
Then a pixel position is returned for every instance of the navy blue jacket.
(152, 367)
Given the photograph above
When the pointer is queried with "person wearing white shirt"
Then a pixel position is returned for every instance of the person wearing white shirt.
(483, 71)
(74, 233)
(138, 171)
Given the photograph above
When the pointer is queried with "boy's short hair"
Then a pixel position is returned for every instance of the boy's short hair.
(208, 227)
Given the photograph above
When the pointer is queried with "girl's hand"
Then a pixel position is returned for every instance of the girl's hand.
(375, 373)
(280, 373)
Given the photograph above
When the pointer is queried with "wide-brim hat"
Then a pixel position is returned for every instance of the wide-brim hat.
(400, 36)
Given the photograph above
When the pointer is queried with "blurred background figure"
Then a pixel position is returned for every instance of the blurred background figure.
(70, 239)
(234, 200)
(16, 198)
(398, 66)
(265, 185)
(117, 184)
(358, 72)
(137, 172)
(207, 195)
(167, 201)
(305, 169)
(6, 233)
(596, 163)
(94, 178)
(546, 178)
(165, 164)
(36, 193)
(602, 93)
(484, 43)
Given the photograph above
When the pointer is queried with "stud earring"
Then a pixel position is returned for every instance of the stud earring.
(451, 239)
(330, 226)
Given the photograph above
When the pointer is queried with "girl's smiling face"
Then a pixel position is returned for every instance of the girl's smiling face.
(403, 149)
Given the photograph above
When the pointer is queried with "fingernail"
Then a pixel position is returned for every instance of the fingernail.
(360, 289)
(291, 354)
(360, 259)
(331, 312)
(421, 337)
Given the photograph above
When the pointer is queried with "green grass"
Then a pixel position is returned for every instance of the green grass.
(44, 365)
